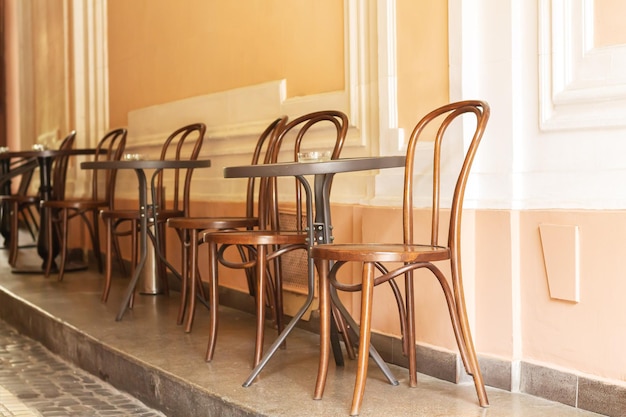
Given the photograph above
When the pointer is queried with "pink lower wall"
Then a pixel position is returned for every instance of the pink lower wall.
(513, 316)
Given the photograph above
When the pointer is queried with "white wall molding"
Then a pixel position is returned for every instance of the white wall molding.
(581, 86)
(91, 100)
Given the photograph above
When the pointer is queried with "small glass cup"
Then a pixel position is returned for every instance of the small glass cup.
(314, 156)
(133, 157)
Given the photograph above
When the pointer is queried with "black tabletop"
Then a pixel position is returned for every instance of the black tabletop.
(146, 164)
(314, 168)
(46, 153)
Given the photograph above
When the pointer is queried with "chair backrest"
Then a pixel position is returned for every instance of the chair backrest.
(183, 144)
(321, 130)
(262, 153)
(59, 168)
(438, 121)
(109, 148)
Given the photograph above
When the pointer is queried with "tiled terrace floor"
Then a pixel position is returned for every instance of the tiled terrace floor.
(149, 356)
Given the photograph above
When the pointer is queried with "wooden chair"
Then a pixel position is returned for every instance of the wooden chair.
(271, 241)
(184, 143)
(408, 257)
(23, 202)
(188, 229)
(22, 169)
(61, 210)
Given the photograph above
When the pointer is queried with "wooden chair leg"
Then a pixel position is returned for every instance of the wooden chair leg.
(50, 243)
(344, 331)
(472, 361)
(213, 301)
(64, 239)
(184, 276)
(134, 257)
(96, 240)
(108, 261)
(325, 313)
(367, 297)
(410, 328)
(13, 247)
(193, 278)
(260, 303)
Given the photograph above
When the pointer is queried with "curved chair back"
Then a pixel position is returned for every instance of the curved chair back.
(183, 144)
(262, 153)
(110, 148)
(60, 165)
(449, 113)
(325, 129)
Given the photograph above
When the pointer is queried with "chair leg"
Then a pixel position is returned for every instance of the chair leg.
(191, 267)
(64, 238)
(13, 247)
(367, 297)
(185, 244)
(118, 253)
(108, 260)
(50, 243)
(260, 303)
(161, 267)
(409, 333)
(30, 221)
(96, 240)
(460, 325)
(213, 301)
(472, 361)
(134, 257)
(325, 317)
(343, 329)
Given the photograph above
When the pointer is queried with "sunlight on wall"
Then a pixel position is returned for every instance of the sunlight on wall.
(159, 52)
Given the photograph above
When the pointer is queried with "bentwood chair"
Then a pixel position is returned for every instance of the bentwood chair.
(23, 202)
(271, 241)
(22, 169)
(61, 210)
(188, 229)
(184, 143)
(409, 256)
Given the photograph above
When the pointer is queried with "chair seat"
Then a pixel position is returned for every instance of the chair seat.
(256, 237)
(216, 223)
(381, 252)
(133, 214)
(75, 204)
(20, 199)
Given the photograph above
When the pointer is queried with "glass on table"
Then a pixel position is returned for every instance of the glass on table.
(314, 156)
(133, 157)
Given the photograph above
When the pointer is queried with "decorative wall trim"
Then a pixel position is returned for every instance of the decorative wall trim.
(581, 86)
(91, 88)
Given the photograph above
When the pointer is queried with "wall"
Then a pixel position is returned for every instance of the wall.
(159, 53)
(38, 72)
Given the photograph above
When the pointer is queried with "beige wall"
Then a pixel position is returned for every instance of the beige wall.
(160, 52)
(422, 59)
(609, 22)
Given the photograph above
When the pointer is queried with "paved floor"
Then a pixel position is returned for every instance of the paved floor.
(34, 382)
(149, 356)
